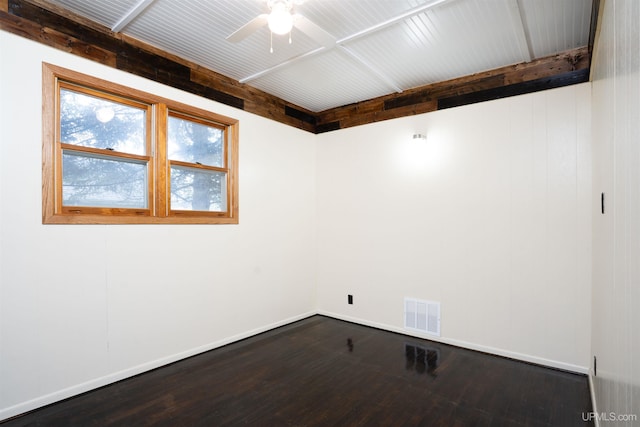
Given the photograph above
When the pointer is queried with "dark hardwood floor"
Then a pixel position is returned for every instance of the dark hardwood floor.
(326, 372)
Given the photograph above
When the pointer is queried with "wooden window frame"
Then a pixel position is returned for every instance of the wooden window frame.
(158, 110)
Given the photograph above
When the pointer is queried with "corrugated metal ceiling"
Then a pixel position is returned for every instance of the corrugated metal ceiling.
(383, 46)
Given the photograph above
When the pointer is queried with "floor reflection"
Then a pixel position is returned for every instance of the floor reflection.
(421, 359)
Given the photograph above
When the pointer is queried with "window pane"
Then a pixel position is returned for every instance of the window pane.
(198, 190)
(195, 143)
(98, 123)
(98, 182)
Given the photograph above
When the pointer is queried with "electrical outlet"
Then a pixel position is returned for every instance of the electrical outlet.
(350, 299)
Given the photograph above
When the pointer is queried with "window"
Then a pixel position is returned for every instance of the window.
(113, 155)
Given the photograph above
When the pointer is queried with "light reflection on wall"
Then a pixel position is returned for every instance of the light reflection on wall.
(422, 156)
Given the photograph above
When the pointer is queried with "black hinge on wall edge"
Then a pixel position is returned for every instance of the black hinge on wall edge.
(595, 366)
(602, 203)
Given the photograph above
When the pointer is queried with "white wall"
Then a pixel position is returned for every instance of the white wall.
(81, 306)
(491, 217)
(616, 263)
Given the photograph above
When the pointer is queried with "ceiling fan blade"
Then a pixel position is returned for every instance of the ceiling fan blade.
(314, 31)
(249, 28)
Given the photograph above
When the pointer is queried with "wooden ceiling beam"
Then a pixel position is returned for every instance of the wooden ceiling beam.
(45, 23)
(566, 68)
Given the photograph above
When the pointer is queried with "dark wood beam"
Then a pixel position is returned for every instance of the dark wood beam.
(49, 24)
(567, 68)
(43, 22)
(595, 15)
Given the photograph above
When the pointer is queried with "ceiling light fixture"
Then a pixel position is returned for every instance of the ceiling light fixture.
(280, 19)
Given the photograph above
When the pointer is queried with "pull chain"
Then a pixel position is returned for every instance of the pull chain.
(271, 40)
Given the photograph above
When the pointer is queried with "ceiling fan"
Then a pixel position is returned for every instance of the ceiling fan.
(281, 20)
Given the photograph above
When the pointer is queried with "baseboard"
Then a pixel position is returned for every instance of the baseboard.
(468, 345)
(75, 390)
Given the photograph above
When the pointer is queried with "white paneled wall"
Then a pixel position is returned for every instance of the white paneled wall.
(491, 216)
(616, 264)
